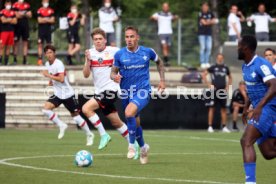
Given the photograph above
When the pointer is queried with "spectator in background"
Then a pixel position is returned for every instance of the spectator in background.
(164, 19)
(219, 74)
(205, 21)
(234, 23)
(45, 20)
(75, 19)
(261, 20)
(270, 55)
(23, 13)
(8, 19)
(237, 103)
(108, 16)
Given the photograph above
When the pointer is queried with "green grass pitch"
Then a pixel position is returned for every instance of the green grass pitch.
(38, 157)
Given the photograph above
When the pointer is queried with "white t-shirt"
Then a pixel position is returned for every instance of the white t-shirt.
(61, 90)
(100, 64)
(261, 22)
(106, 18)
(164, 21)
(274, 66)
(233, 19)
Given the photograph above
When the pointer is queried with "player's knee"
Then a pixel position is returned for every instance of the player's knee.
(129, 113)
(245, 142)
(85, 110)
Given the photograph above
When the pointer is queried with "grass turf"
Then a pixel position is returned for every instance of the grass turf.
(175, 157)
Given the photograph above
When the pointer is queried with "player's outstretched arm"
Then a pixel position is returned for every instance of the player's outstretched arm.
(161, 70)
(114, 75)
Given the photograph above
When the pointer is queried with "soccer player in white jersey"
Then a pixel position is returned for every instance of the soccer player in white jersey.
(63, 94)
(270, 55)
(98, 62)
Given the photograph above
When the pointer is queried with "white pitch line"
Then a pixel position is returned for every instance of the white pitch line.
(194, 138)
(4, 162)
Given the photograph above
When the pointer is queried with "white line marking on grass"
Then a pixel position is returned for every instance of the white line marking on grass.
(5, 162)
(194, 138)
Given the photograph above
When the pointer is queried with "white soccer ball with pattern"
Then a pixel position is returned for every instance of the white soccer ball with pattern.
(83, 158)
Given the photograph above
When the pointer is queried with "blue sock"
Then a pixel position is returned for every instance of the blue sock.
(250, 171)
(131, 125)
(139, 136)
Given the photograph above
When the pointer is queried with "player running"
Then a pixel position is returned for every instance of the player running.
(259, 77)
(63, 94)
(98, 62)
(133, 64)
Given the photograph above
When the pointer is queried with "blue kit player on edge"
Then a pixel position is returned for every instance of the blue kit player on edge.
(259, 77)
(131, 70)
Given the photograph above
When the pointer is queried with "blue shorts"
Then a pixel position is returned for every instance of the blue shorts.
(266, 124)
(140, 100)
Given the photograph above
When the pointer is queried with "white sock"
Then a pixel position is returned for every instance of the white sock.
(53, 117)
(97, 124)
(124, 132)
(82, 123)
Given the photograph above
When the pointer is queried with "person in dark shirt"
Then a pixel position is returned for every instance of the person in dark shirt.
(23, 13)
(8, 20)
(219, 83)
(75, 20)
(205, 21)
(45, 20)
(237, 103)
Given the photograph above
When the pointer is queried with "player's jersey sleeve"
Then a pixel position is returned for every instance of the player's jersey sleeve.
(153, 55)
(266, 72)
(60, 68)
(117, 62)
(227, 70)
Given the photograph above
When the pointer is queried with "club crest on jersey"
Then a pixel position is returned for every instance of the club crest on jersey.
(100, 60)
(145, 58)
(107, 55)
(253, 74)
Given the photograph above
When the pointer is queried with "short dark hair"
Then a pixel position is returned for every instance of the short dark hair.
(270, 49)
(250, 42)
(49, 47)
(132, 28)
(98, 31)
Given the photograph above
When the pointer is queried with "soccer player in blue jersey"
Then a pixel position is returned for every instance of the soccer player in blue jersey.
(260, 80)
(131, 70)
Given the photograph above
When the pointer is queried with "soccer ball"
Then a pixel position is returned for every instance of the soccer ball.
(83, 158)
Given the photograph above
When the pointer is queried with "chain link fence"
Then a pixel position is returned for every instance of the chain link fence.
(184, 49)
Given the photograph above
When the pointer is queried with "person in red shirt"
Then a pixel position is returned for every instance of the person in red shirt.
(8, 19)
(45, 20)
(23, 13)
(75, 20)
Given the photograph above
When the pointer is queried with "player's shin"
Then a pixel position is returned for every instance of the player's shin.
(250, 172)
(53, 117)
(131, 125)
(139, 136)
(82, 123)
(124, 131)
(95, 120)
